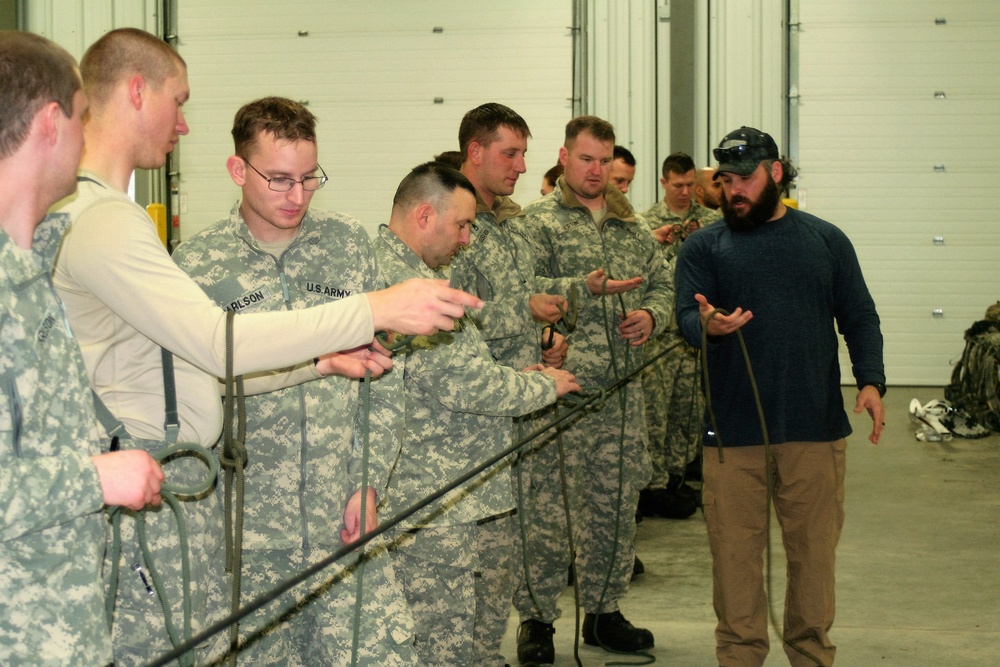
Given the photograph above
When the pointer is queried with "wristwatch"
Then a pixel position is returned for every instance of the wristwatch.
(878, 386)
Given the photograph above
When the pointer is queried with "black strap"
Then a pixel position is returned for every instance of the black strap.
(112, 425)
(88, 179)
(171, 424)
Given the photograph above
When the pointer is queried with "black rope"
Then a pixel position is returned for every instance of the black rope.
(768, 463)
(233, 460)
(266, 598)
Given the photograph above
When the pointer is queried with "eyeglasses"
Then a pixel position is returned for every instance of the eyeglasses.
(284, 184)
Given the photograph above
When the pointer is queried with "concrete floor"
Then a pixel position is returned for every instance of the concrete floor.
(918, 573)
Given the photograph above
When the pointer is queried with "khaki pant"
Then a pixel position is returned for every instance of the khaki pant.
(809, 503)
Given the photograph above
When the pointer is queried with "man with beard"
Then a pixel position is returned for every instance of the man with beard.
(785, 277)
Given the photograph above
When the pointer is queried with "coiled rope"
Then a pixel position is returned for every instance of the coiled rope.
(169, 493)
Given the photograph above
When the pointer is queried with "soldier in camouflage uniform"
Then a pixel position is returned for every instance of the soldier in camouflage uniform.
(125, 298)
(707, 188)
(674, 403)
(54, 480)
(304, 463)
(583, 225)
(499, 267)
(458, 406)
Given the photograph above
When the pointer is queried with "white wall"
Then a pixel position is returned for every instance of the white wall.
(75, 25)
(621, 83)
(746, 69)
(371, 72)
(897, 166)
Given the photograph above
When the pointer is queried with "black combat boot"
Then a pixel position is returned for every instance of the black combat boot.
(665, 503)
(534, 643)
(677, 486)
(612, 631)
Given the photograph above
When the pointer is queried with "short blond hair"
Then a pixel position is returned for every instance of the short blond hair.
(122, 53)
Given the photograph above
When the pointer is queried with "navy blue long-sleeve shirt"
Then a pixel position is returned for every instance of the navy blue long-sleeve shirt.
(798, 275)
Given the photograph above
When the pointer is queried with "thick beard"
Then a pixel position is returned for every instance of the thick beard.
(759, 212)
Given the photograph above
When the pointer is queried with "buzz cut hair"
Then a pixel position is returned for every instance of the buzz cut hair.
(431, 182)
(279, 117)
(122, 53)
(596, 127)
(624, 154)
(677, 163)
(34, 71)
(482, 125)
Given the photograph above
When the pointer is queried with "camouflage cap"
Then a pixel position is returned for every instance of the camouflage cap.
(742, 150)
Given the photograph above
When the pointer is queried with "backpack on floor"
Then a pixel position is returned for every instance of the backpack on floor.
(975, 381)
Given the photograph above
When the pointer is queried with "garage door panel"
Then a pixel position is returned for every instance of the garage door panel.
(388, 89)
(373, 17)
(903, 171)
(911, 12)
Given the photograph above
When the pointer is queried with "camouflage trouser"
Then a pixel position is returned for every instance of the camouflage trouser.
(436, 566)
(674, 408)
(139, 630)
(603, 526)
(314, 623)
(495, 584)
(459, 581)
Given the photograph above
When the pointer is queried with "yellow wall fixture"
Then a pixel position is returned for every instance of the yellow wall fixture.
(158, 213)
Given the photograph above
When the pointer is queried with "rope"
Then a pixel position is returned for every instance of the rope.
(521, 521)
(365, 433)
(389, 524)
(395, 342)
(233, 459)
(768, 462)
(623, 408)
(564, 482)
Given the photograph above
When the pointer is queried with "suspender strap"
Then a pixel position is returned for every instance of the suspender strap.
(112, 425)
(171, 423)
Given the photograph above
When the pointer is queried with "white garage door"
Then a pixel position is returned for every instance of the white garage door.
(899, 145)
(389, 81)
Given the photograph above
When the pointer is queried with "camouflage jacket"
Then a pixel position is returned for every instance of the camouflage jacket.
(570, 243)
(659, 214)
(459, 406)
(498, 266)
(52, 523)
(304, 462)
